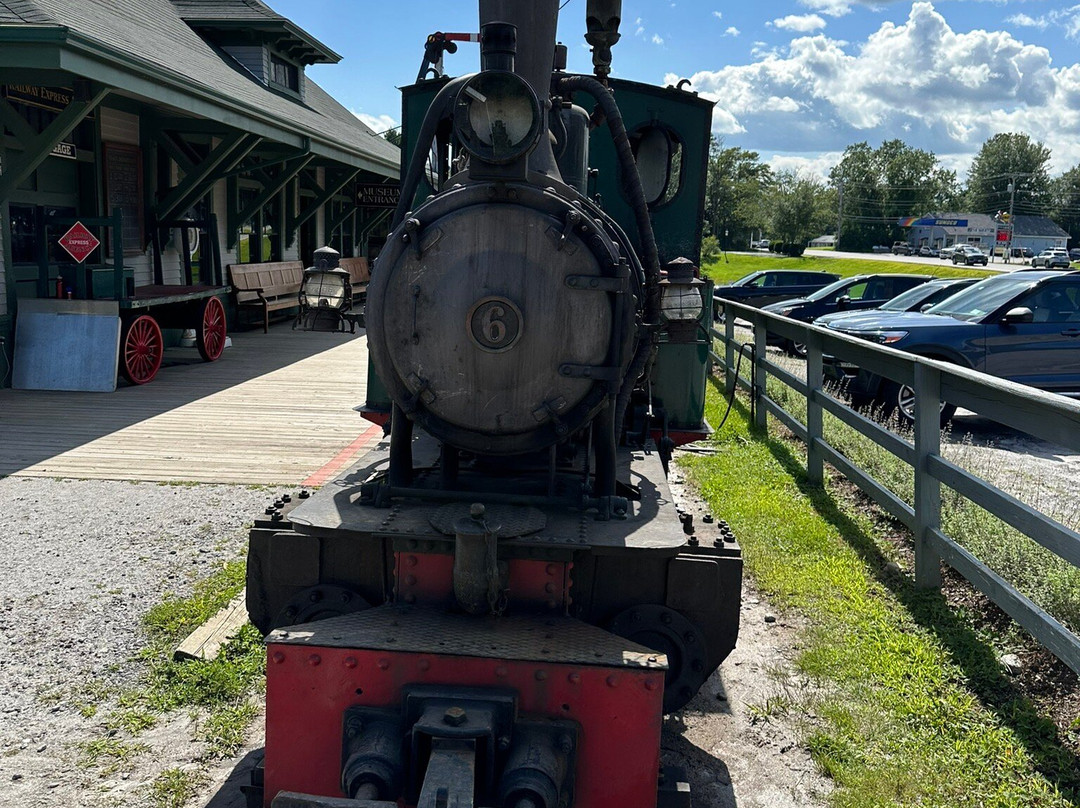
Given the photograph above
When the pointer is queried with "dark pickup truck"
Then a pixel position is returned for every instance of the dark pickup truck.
(773, 285)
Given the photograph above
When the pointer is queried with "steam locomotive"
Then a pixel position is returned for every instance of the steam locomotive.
(499, 604)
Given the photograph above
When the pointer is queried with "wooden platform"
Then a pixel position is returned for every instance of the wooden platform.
(276, 408)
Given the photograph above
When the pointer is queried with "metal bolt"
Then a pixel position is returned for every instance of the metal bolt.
(383, 664)
(665, 618)
(612, 680)
(540, 675)
(276, 517)
(314, 660)
(350, 662)
(476, 510)
(278, 657)
(305, 494)
(455, 717)
(315, 596)
(650, 684)
(566, 744)
(269, 510)
(286, 497)
(504, 743)
(423, 664)
(574, 678)
(501, 671)
(278, 503)
(410, 580)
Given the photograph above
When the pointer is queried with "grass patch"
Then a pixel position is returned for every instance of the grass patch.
(735, 266)
(918, 711)
(174, 787)
(219, 693)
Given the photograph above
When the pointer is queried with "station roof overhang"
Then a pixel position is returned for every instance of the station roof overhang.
(57, 53)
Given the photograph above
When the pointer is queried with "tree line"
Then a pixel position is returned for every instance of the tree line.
(870, 189)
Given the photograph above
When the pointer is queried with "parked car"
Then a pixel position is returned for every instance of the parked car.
(1074, 254)
(771, 285)
(901, 248)
(847, 294)
(918, 298)
(968, 255)
(946, 253)
(1021, 326)
(1055, 257)
(928, 252)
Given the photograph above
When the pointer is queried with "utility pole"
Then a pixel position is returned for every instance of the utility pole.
(1012, 200)
(839, 211)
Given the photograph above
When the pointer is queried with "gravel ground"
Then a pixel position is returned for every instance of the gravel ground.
(86, 560)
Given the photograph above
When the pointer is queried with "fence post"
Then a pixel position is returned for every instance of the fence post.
(761, 416)
(927, 487)
(730, 382)
(815, 377)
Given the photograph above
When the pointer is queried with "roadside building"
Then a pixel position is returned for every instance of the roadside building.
(946, 229)
(823, 242)
(1038, 233)
(191, 126)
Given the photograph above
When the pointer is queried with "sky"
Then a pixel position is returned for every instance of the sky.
(795, 80)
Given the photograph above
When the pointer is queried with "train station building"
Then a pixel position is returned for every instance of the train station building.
(185, 135)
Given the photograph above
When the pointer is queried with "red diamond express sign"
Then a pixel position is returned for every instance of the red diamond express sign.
(79, 242)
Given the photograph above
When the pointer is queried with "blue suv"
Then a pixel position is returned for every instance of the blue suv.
(1023, 326)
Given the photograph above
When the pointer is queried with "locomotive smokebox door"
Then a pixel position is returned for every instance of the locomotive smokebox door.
(506, 349)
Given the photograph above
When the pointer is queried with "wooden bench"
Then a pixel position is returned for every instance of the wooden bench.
(270, 287)
(359, 275)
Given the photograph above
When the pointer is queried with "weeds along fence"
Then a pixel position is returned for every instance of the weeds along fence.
(1042, 415)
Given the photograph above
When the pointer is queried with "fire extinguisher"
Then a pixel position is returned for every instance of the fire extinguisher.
(59, 287)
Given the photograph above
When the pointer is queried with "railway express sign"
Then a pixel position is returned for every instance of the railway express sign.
(79, 242)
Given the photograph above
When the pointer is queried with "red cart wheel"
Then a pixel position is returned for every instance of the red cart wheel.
(141, 350)
(210, 336)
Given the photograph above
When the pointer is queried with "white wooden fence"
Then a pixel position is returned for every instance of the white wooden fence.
(1049, 417)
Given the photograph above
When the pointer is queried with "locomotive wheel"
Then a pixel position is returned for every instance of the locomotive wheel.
(319, 603)
(665, 630)
(141, 350)
(210, 336)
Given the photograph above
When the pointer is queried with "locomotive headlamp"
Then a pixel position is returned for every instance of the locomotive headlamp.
(681, 292)
(497, 116)
(680, 300)
(325, 294)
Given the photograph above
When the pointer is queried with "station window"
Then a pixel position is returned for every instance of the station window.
(284, 74)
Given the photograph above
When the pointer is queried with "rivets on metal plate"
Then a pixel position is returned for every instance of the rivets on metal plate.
(411, 560)
(574, 678)
(540, 675)
(278, 657)
(314, 660)
(552, 569)
(612, 680)
(383, 664)
(410, 580)
(501, 671)
(349, 662)
(650, 684)
(424, 664)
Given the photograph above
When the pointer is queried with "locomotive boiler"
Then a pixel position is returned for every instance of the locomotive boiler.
(498, 605)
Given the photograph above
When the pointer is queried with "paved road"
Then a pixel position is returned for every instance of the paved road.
(918, 263)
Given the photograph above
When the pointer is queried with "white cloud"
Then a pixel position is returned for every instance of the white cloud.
(802, 23)
(813, 165)
(376, 123)
(832, 8)
(657, 39)
(718, 14)
(1068, 19)
(1027, 21)
(939, 89)
(732, 31)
